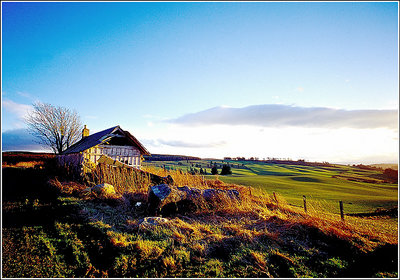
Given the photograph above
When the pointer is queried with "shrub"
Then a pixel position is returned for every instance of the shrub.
(226, 170)
(392, 174)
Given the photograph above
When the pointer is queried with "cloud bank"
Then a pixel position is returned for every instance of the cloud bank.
(183, 144)
(19, 140)
(274, 115)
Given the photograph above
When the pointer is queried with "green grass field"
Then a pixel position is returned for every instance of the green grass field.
(317, 183)
(52, 227)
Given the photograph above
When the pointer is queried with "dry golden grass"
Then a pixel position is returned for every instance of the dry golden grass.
(180, 178)
(254, 209)
(169, 262)
(147, 249)
(67, 188)
(118, 239)
(366, 232)
(24, 164)
(123, 179)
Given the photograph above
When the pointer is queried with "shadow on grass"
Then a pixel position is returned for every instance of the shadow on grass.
(305, 179)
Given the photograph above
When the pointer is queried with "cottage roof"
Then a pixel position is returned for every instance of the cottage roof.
(104, 136)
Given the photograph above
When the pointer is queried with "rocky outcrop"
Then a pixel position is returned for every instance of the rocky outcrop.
(149, 222)
(165, 199)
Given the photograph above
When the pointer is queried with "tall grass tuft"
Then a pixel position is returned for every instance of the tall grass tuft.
(180, 178)
(123, 179)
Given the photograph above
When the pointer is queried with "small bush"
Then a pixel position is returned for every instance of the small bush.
(214, 170)
(226, 170)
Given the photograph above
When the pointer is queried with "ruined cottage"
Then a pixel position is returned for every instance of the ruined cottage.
(113, 145)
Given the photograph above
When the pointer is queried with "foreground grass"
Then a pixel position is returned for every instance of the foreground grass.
(54, 229)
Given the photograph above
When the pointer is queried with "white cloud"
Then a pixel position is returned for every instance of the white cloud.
(183, 144)
(314, 134)
(27, 95)
(20, 110)
(346, 145)
(276, 115)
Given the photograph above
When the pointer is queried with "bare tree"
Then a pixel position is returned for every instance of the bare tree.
(56, 127)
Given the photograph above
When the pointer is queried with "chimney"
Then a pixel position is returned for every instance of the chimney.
(85, 132)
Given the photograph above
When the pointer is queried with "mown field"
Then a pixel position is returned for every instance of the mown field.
(323, 186)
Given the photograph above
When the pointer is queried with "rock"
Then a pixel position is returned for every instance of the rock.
(157, 180)
(164, 199)
(191, 193)
(160, 192)
(104, 189)
(213, 194)
(162, 195)
(148, 222)
(168, 180)
(234, 194)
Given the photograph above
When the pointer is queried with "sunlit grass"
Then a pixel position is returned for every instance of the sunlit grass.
(259, 235)
(319, 183)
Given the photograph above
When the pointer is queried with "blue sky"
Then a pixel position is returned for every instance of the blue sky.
(146, 65)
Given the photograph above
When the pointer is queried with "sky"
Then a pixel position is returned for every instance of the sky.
(305, 80)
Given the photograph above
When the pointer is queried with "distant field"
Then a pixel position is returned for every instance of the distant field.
(386, 165)
(323, 186)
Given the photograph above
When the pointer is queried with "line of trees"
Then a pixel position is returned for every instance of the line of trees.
(195, 171)
(226, 170)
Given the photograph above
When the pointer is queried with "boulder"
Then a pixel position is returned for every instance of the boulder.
(191, 193)
(87, 190)
(234, 194)
(168, 179)
(157, 180)
(214, 194)
(162, 195)
(149, 222)
(211, 194)
(165, 199)
(104, 189)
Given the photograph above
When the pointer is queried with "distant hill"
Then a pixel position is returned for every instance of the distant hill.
(386, 165)
(30, 157)
(160, 157)
(26, 153)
